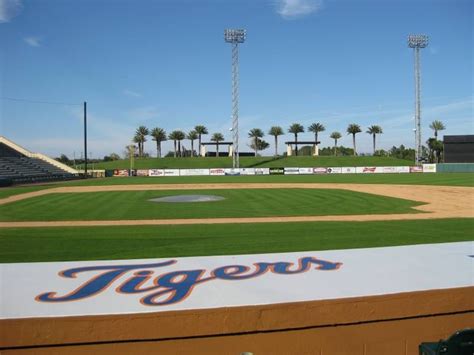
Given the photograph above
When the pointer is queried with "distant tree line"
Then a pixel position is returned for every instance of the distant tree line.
(257, 143)
(433, 152)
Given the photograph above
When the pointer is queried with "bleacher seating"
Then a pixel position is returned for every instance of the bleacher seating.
(19, 168)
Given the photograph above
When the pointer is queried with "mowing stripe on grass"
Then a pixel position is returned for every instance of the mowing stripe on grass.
(134, 242)
(135, 205)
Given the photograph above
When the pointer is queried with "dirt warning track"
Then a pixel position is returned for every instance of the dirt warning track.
(438, 202)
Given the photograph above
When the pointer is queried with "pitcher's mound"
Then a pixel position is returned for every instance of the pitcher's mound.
(188, 198)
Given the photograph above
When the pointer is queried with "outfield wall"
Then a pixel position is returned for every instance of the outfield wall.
(426, 168)
(455, 168)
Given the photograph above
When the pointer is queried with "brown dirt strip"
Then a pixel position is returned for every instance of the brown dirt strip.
(439, 202)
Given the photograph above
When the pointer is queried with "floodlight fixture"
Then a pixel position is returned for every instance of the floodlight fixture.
(417, 42)
(234, 37)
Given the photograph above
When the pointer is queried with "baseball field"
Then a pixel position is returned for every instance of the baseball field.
(120, 218)
(114, 218)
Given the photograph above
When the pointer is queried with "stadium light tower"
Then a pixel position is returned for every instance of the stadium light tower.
(234, 37)
(417, 42)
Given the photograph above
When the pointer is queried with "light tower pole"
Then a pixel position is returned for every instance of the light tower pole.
(234, 37)
(417, 42)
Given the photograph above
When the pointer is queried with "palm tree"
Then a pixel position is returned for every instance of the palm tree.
(276, 131)
(353, 129)
(435, 149)
(176, 136)
(335, 136)
(437, 126)
(256, 133)
(192, 136)
(200, 130)
(259, 144)
(374, 130)
(141, 134)
(217, 137)
(159, 135)
(316, 128)
(137, 139)
(296, 128)
(181, 135)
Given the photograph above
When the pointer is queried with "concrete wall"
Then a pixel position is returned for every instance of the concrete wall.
(389, 324)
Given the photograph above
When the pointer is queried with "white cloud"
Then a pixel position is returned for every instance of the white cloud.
(32, 41)
(131, 93)
(290, 9)
(9, 9)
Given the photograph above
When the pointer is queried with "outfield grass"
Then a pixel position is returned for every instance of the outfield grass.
(251, 162)
(121, 205)
(441, 179)
(134, 242)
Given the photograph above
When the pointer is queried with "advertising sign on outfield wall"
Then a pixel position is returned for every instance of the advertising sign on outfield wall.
(292, 171)
(382, 169)
(171, 172)
(215, 172)
(429, 168)
(232, 172)
(141, 172)
(388, 170)
(366, 169)
(320, 170)
(334, 170)
(348, 170)
(121, 172)
(305, 171)
(403, 169)
(156, 172)
(416, 169)
(193, 172)
(277, 171)
(247, 171)
(392, 169)
(262, 171)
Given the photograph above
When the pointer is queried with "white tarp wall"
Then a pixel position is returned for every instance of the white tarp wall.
(154, 285)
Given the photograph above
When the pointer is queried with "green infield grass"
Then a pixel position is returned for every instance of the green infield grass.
(250, 162)
(441, 179)
(122, 205)
(134, 242)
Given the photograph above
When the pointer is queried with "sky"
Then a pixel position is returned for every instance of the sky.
(164, 63)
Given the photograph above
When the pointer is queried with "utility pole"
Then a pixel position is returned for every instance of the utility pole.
(85, 140)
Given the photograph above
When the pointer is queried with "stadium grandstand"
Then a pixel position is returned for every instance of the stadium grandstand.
(18, 165)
